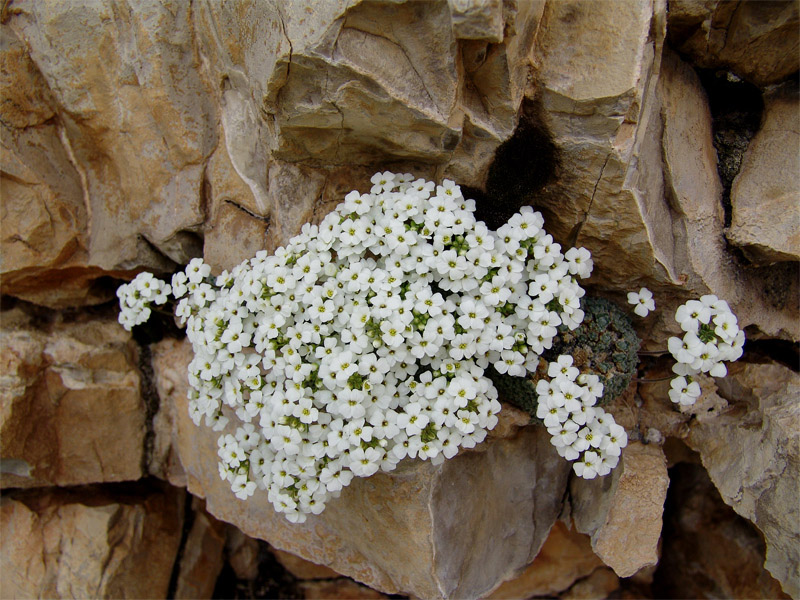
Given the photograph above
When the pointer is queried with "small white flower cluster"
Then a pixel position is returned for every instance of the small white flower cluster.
(642, 301)
(579, 428)
(364, 341)
(136, 297)
(712, 337)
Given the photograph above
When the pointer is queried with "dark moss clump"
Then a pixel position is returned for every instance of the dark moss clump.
(605, 344)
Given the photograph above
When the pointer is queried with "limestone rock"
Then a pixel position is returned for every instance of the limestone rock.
(132, 117)
(338, 589)
(416, 530)
(765, 198)
(70, 408)
(477, 19)
(751, 449)
(598, 104)
(756, 40)
(202, 557)
(170, 360)
(708, 549)
(597, 586)
(243, 553)
(566, 557)
(303, 569)
(88, 544)
(622, 511)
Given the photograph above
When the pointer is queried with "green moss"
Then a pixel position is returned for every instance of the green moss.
(605, 344)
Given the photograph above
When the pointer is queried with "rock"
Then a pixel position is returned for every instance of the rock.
(416, 530)
(756, 40)
(565, 557)
(751, 449)
(243, 553)
(170, 360)
(765, 199)
(70, 408)
(133, 117)
(596, 586)
(202, 557)
(88, 543)
(709, 551)
(338, 589)
(301, 568)
(477, 19)
(622, 512)
(598, 106)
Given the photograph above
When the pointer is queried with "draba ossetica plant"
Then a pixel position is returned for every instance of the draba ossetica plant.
(366, 340)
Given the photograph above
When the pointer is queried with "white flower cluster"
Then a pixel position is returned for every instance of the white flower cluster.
(364, 341)
(136, 297)
(579, 428)
(712, 337)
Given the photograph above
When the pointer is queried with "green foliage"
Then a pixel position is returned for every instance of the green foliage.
(605, 344)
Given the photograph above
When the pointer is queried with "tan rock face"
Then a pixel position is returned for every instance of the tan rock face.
(202, 557)
(565, 557)
(708, 549)
(765, 198)
(425, 530)
(71, 409)
(751, 448)
(756, 40)
(88, 544)
(151, 119)
(637, 182)
(622, 512)
(302, 568)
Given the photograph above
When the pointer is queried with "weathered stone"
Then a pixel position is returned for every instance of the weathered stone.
(87, 543)
(134, 115)
(301, 568)
(622, 511)
(708, 550)
(598, 105)
(440, 516)
(565, 557)
(170, 359)
(243, 553)
(597, 586)
(751, 448)
(202, 557)
(338, 589)
(765, 199)
(70, 408)
(701, 257)
(477, 19)
(756, 40)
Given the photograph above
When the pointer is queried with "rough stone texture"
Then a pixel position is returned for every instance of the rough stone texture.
(597, 103)
(415, 530)
(637, 182)
(751, 448)
(565, 557)
(202, 557)
(709, 551)
(338, 589)
(70, 407)
(302, 568)
(622, 511)
(596, 586)
(132, 117)
(86, 543)
(756, 40)
(765, 198)
(243, 553)
(131, 128)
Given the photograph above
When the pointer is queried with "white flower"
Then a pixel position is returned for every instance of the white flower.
(643, 301)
